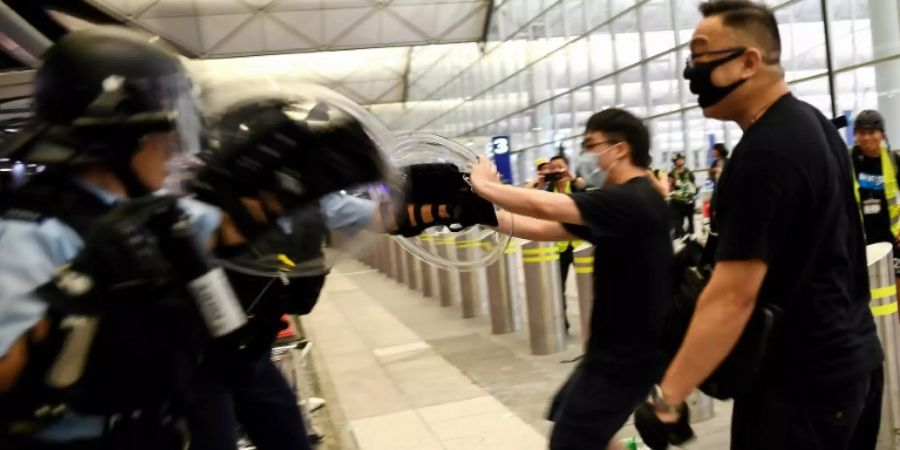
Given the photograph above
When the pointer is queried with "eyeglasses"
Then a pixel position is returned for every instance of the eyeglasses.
(732, 51)
(585, 147)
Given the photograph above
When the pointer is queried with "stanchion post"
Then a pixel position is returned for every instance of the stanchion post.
(584, 282)
(448, 279)
(546, 328)
(400, 260)
(504, 294)
(884, 309)
(412, 270)
(471, 282)
(701, 406)
(429, 275)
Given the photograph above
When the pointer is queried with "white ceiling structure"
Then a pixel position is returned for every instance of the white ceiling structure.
(360, 48)
(225, 28)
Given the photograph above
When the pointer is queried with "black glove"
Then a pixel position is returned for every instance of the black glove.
(438, 194)
(121, 253)
(658, 435)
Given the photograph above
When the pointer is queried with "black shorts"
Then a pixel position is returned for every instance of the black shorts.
(590, 409)
(842, 417)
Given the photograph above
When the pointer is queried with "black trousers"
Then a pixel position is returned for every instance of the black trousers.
(566, 258)
(262, 403)
(840, 417)
(679, 212)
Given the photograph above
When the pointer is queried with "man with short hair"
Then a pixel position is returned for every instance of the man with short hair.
(789, 236)
(628, 222)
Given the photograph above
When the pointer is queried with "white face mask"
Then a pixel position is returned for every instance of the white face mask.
(588, 165)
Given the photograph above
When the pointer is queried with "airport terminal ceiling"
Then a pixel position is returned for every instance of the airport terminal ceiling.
(533, 70)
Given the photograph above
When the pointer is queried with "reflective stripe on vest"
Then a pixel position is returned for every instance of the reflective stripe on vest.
(889, 174)
(564, 245)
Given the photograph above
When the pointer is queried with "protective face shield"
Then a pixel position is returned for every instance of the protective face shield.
(300, 171)
(99, 92)
(451, 247)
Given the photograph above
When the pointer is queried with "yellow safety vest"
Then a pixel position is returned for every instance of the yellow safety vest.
(564, 245)
(889, 174)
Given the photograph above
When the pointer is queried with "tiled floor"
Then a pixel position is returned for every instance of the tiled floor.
(409, 374)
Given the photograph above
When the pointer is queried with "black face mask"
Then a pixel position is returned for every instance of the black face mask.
(700, 76)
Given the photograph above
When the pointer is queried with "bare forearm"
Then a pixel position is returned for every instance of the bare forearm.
(531, 228)
(718, 323)
(538, 204)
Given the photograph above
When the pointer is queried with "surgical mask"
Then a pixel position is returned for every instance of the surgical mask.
(700, 77)
(588, 166)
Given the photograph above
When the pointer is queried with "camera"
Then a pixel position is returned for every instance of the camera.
(553, 177)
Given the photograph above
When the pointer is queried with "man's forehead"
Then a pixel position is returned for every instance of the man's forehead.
(593, 136)
(710, 33)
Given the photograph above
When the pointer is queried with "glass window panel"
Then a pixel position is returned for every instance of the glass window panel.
(540, 80)
(604, 94)
(597, 12)
(814, 92)
(601, 51)
(562, 114)
(553, 22)
(802, 40)
(656, 21)
(578, 62)
(627, 41)
(574, 13)
(664, 78)
(559, 72)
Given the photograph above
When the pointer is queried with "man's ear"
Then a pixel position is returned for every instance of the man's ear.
(753, 61)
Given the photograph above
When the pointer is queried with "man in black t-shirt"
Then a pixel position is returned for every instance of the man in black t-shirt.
(789, 235)
(628, 223)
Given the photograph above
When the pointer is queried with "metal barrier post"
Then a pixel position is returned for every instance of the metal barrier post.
(701, 406)
(546, 328)
(884, 308)
(584, 282)
(448, 281)
(429, 273)
(472, 283)
(412, 270)
(504, 293)
(384, 253)
(401, 262)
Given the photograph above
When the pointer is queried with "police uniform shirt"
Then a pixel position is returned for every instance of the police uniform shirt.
(32, 252)
(876, 219)
(786, 198)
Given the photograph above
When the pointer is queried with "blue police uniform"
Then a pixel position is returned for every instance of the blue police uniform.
(33, 251)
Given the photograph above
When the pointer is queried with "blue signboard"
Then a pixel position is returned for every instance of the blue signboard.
(500, 149)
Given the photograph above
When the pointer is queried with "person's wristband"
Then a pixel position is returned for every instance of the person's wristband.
(659, 403)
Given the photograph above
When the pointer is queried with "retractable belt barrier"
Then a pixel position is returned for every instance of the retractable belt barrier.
(546, 329)
(428, 281)
(471, 283)
(504, 294)
(448, 279)
(584, 282)
(884, 309)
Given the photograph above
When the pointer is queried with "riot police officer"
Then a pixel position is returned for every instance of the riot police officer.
(97, 336)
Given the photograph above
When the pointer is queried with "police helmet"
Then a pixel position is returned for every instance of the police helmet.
(98, 92)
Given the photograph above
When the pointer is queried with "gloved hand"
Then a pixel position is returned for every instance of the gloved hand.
(121, 253)
(437, 194)
(657, 434)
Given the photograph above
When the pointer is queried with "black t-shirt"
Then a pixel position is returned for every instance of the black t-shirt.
(629, 225)
(876, 219)
(786, 198)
